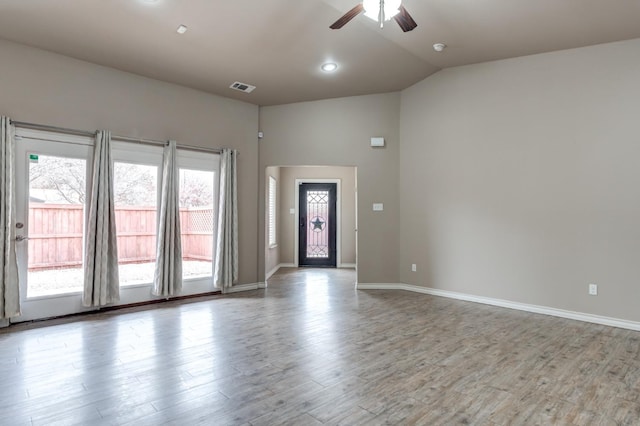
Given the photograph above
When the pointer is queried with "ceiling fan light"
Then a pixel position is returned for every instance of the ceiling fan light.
(391, 8)
(372, 9)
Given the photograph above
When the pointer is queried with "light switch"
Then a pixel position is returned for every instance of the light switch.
(378, 207)
(292, 211)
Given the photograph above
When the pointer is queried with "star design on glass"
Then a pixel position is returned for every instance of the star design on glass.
(318, 224)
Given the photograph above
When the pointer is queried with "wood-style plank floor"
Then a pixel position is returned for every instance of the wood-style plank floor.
(311, 350)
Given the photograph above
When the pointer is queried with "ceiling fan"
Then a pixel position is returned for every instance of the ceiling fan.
(380, 11)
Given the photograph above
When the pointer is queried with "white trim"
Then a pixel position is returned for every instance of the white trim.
(544, 310)
(242, 287)
(347, 265)
(296, 191)
(4, 322)
(271, 272)
(379, 286)
(262, 285)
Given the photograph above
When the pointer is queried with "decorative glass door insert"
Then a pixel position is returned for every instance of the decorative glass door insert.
(317, 229)
(317, 245)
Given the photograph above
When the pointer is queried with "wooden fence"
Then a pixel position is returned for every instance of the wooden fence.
(55, 235)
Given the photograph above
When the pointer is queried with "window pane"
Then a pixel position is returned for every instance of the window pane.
(196, 222)
(57, 188)
(136, 205)
(272, 211)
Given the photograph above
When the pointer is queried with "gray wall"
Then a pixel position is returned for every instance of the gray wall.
(519, 180)
(515, 179)
(337, 132)
(45, 88)
(347, 212)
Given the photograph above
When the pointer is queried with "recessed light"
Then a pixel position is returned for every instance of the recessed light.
(181, 29)
(329, 67)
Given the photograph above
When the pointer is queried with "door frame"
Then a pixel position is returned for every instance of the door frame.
(53, 144)
(296, 237)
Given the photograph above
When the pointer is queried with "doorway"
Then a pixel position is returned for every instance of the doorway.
(317, 225)
(282, 214)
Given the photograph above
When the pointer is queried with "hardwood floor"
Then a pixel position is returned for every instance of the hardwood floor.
(311, 350)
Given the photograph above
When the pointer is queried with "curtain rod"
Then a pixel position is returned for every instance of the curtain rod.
(35, 126)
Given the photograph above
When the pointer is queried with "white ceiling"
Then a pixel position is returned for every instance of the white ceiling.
(279, 45)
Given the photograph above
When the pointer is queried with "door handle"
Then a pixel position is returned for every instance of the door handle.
(21, 238)
(302, 222)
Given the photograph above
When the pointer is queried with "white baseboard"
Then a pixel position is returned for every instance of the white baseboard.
(348, 265)
(263, 285)
(579, 316)
(242, 287)
(379, 286)
(274, 270)
(4, 322)
(271, 272)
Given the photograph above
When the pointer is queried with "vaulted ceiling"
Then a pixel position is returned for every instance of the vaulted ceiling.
(279, 45)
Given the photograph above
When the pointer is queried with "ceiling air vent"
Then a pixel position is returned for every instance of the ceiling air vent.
(243, 87)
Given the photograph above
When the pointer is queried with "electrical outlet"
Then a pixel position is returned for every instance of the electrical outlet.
(414, 268)
(593, 289)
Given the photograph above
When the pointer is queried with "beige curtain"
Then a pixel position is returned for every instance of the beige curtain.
(167, 280)
(101, 283)
(226, 262)
(9, 288)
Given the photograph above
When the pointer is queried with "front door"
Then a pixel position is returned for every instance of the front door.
(317, 227)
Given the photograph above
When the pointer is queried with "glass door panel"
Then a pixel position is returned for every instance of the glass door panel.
(317, 229)
(51, 186)
(57, 188)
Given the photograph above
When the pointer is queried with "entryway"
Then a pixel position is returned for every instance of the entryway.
(317, 224)
(310, 217)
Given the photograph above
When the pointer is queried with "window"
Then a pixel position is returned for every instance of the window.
(273, 241)
(136, 206)
(196, 222)
(197, 201)
(136, 183)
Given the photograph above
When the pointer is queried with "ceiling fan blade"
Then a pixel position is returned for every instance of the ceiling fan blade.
(347, 17)
(405, 20)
